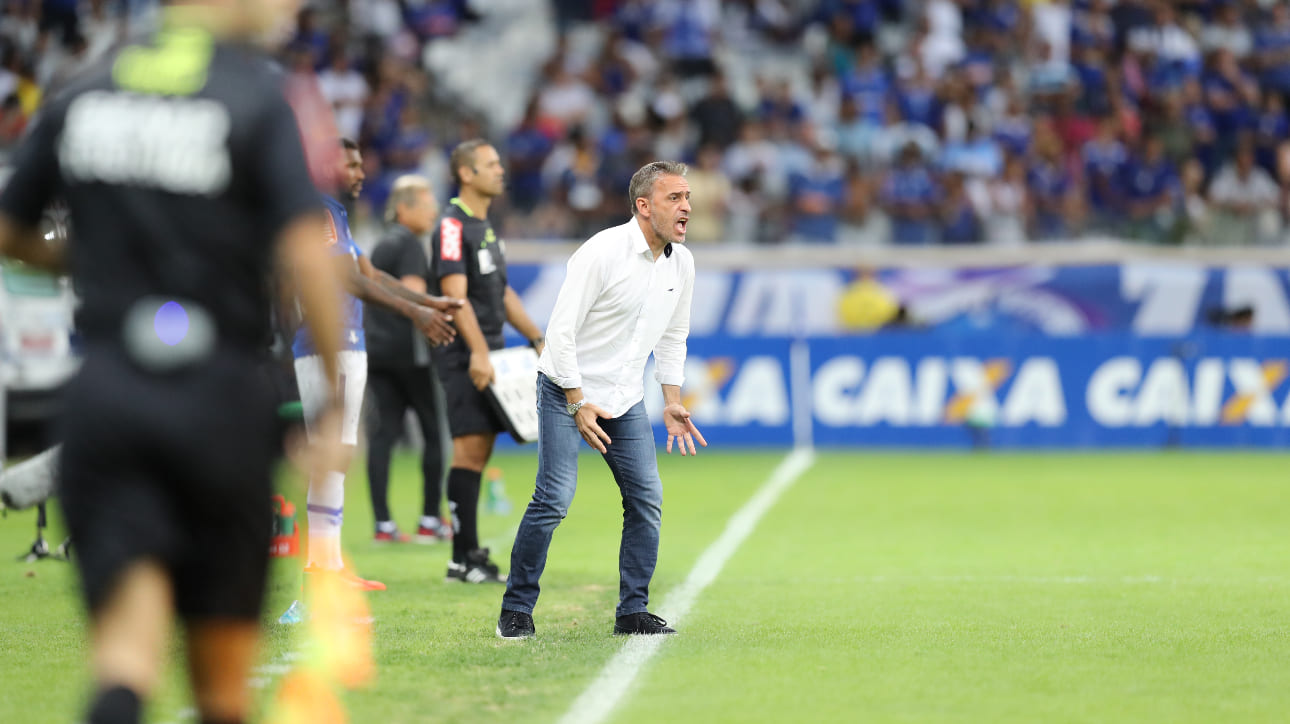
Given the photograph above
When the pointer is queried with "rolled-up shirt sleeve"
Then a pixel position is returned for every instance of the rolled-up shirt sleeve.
(582, 285)
(669, 353)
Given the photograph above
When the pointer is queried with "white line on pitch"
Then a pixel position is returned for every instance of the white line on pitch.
(599, 699)
(1043, 580)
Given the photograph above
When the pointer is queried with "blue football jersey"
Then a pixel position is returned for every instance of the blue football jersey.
(340, 241)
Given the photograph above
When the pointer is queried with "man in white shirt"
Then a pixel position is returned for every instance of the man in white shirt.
(627, 292)
(1246, 201)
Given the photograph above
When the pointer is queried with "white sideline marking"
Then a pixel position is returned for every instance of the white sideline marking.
(1054, 580)
(599, 699)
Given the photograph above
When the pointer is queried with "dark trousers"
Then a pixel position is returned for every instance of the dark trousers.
(393, 390)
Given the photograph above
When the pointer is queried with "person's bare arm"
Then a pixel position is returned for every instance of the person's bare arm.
(359, 281)
(481, 368)
(414, 282)
(521, 321)
(26, 244)
(413, 289)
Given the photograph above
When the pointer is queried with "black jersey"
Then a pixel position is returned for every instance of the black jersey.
(465, 244)
(391, 338)
(180, 162)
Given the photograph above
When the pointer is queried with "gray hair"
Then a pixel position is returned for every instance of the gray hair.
(642, 184)
(404, 191)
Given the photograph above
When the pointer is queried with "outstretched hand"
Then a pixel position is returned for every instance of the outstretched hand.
(435, 325)
(681, 429)
(444, 304)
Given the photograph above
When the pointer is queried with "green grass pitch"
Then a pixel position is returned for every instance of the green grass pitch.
(880, 588)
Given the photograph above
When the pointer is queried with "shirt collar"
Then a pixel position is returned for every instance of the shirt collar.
(639, 244)
(456, 201)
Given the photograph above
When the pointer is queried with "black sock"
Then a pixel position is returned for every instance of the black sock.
(117, 705)
(463, 496)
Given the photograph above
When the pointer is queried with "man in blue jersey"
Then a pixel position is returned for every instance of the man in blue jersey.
(363, 283)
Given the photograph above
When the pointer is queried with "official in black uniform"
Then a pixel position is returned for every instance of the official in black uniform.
(183, 171)
(399, 376)
(469, 261)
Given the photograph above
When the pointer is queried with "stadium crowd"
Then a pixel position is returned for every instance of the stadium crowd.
(833, 121)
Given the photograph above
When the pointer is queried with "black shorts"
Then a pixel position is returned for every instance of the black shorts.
(176, 469)
(469, 411)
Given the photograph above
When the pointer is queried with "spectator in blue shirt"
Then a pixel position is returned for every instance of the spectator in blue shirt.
(688, 28)
(1150, 184)
(778, 106)
(918, 100)
(431, 19)
(1272, 48)
(1271, 131)
(1091, 72)
(634, 18)
(1200, 124)
(1013, 129)
(1103, 160)
(526, 149)
(960, 223)
(868, 83)
(1092, 27)
(816, 195)
(1003, 20)
(861, 15)
(911, 197)
(978, 62)
(1050, 185)
(308, 35)
(1227, 90)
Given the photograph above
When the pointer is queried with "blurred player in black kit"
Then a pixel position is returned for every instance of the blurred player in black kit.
(183, 170)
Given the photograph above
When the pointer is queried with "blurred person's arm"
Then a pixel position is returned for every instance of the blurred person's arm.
(30, 189)
(308, 266)
(411, 288)
(360, 280)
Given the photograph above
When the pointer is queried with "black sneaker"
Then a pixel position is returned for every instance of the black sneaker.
(515, 625)
(641, 623)
(475, 569)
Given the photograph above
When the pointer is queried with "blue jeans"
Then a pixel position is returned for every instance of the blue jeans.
(632, 459)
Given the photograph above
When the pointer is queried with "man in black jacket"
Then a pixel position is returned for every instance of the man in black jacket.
(398, 359)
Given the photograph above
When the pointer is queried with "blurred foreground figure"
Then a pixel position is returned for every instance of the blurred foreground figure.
(182, 167)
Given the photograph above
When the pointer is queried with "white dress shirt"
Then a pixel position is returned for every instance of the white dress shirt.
(616, 305)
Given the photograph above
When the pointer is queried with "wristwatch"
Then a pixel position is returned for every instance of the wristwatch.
(573, 407)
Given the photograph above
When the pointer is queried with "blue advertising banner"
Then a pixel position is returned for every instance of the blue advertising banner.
(1025, 357)
(937, 390)
(1143, 298)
